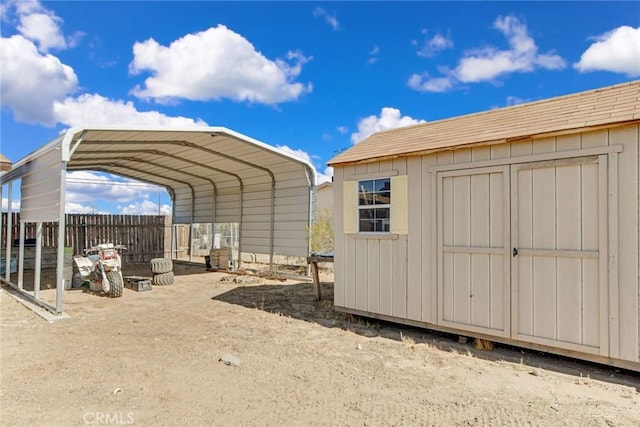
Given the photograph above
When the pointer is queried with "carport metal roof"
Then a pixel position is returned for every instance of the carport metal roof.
(213, 174)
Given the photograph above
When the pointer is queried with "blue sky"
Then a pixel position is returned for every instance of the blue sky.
(311, 78)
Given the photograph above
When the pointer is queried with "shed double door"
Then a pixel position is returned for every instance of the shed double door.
(520, 252)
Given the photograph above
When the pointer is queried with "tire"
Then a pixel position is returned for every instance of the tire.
(162, 279)
(116, 284)
(161, 265)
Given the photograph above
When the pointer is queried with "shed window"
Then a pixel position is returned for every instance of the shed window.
(374, 205)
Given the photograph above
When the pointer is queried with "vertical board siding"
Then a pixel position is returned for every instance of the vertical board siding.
(472, 280)
(426, 223)
(628, 240)
(339, 238)
(569, 236)
(415, 241)
(362, 273)
(373, 274)
(557, 302)
(386, 277)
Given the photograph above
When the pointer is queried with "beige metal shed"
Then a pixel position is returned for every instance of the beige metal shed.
(517, 225)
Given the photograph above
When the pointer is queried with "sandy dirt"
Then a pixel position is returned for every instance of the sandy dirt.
(153, 359)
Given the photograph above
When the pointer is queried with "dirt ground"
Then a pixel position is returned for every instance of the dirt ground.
(153, 359)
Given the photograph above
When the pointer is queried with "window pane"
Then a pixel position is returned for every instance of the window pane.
(366, 214)
(366, 186)
(374, 220)
(383, 184)
(365, 226)
(382, 213)
(383, 198)
(365, 199)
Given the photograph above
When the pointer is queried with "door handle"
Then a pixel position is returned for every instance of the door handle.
(515, 251)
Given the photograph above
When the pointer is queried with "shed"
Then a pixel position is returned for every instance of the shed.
(518, 225)
(213, 175)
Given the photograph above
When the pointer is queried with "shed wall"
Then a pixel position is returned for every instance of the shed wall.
(396, 275)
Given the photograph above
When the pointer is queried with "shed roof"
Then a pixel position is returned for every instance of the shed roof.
(5, 164)
(606, 106)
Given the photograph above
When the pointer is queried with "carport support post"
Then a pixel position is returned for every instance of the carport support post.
(7, 266)
(21, 256)
(60, 265)
(62, 224)
(1, 185)
(191, 242)
(36, 279)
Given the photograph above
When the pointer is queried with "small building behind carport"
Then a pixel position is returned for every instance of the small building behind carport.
(518, 225)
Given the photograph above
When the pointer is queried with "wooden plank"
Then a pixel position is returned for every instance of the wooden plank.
(350, 273)
(544, 216)
(373, 274)
(521, 267)
(599, 138)
(569, 294)
(524, 158)
(316, 280)
(386, 277)
(361, 277)
(625, 333)
(461, 211)
(399, 286)
(446, 286)
(480, 202)
(473, 250)
(433, 241)
(461, 288)
(416, 223)
(480, 283)
(499, 301)
(480, 290)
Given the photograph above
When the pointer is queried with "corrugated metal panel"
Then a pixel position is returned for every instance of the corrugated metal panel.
(213, 174)
(40, 188)
(614, 104)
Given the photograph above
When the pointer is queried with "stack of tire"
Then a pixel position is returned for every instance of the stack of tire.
(162, 270)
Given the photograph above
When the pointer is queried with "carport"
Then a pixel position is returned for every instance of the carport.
(213, 175)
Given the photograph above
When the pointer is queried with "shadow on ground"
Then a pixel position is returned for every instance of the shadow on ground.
(298, 302)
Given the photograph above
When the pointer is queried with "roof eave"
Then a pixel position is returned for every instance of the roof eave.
(515, 138)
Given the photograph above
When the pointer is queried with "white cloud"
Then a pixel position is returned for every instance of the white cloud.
(488, 63)
(15, 205)
(373, 55)
(37, 24)
(145, 207)
(617, 51)
(389, 118)
(301, 154)
(431, 46)
(85, 187)
(94, 109)
(514, 100)
(332, 20)
(44, 30)
(342, 129)
(77, 208)
(324, 176)
(425, 83)
(30, 82)
(214, 64)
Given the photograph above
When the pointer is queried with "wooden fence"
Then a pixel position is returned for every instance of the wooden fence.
(143, 235)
